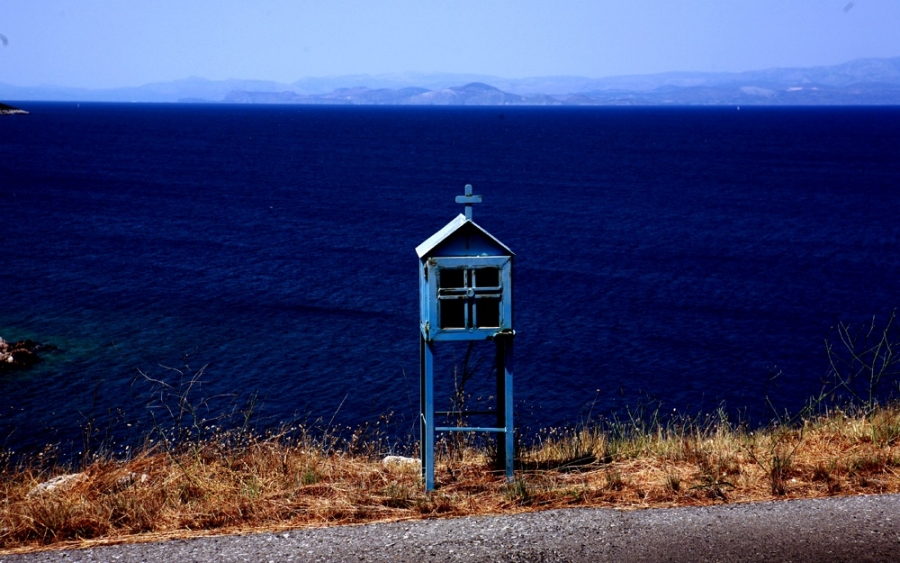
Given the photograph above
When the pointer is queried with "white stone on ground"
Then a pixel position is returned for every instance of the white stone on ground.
(60, 483)
(400, 461)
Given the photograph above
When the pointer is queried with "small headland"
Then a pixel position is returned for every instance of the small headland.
(21, 354)
(10, 110)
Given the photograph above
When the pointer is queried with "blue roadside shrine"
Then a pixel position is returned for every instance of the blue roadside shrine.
(465, 294)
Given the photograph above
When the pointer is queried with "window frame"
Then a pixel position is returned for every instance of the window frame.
(503, 293)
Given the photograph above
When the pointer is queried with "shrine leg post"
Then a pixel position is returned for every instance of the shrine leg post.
(505, 453)
(426, 411)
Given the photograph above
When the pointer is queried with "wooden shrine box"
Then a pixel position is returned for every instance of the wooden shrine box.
(465, 294)
(465, 284)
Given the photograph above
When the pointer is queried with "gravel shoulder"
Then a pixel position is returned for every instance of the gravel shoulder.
(857, 529)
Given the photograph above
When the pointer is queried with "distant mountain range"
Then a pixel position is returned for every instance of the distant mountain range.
(858, 82)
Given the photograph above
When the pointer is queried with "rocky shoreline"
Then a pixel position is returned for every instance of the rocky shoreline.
(21, 354)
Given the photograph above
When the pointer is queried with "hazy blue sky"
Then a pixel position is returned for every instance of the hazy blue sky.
(107, 43)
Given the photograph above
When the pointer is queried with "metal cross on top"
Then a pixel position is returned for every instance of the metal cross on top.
(468, 199)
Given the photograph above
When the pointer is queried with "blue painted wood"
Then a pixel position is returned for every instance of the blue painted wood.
(455, 306)
(463, 234)
(505, 454)
(426, 422)
(468, 200)
(434, 296)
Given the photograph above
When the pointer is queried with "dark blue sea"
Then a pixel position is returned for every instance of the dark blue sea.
(260, 260)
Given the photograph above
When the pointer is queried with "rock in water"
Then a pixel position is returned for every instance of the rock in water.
(22, 354)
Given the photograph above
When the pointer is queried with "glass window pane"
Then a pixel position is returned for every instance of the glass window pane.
(488, 312)
(452, 313)
(487, 277)
(451, 278)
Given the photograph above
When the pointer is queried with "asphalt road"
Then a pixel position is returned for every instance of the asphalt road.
(853, 529)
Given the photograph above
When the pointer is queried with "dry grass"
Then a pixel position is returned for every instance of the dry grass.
(227, 486)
